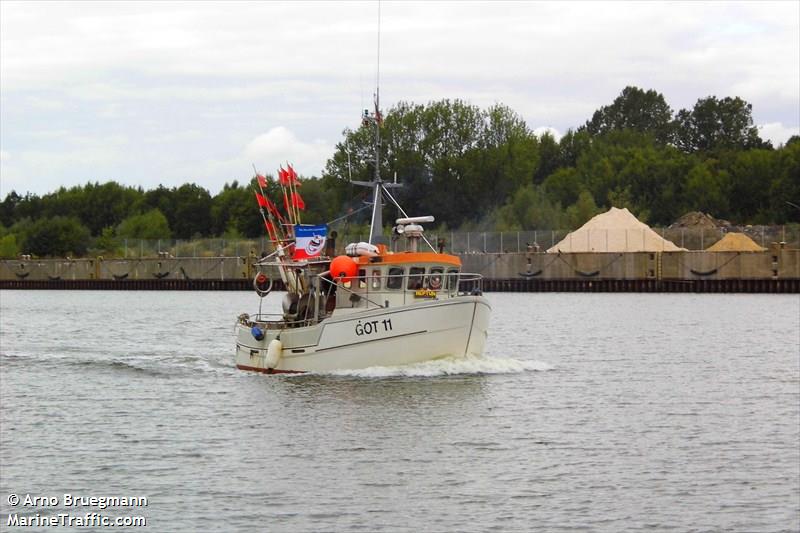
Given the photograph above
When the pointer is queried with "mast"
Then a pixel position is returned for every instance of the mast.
(377, 185)
(376, 225)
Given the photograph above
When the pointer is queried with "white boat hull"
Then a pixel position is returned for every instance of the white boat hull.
(378, 337)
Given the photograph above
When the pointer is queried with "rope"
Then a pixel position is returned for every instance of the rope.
(25, 269)
(203, 275)
(713, 270)
(335, 220)
(115, 276)
(708, 273)
(589, 274)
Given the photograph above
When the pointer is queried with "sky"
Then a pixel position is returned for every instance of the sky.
(150, 93)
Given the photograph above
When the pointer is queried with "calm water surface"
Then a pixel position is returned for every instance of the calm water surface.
(590, 412)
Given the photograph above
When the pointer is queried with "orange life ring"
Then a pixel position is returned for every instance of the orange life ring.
(262, 284)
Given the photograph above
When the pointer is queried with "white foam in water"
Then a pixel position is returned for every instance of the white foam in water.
(448, 366)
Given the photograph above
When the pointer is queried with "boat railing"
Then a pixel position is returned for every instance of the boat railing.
(470, 283)
(361, 288)
(272, 321)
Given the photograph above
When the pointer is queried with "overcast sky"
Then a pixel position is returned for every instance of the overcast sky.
(168, 93)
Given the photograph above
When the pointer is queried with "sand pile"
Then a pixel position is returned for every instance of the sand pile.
(735, 242)
(616, 230)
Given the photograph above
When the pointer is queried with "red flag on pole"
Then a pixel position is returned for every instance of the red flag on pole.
(292, 175)
(297, 201)
(262, 202)
(283, 177)
(274, 210)
(262, 181)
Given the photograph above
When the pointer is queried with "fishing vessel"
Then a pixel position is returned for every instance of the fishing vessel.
(374, 305)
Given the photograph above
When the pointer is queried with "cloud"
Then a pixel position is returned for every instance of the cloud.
(541, 130)
(279, 145)
(264, 82)
(82, 158)
(777, 132)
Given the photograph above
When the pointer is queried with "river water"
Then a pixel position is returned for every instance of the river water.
(589, 412)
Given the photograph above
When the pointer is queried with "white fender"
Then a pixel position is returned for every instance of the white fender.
(274, 352)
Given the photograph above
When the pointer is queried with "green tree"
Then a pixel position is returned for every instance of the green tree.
(582, 210)
(453, 159)
(150, 225)
(564, 185)
(714, 125)
(635, 109)
(529, 208)
(8, 246)
(234, 211)
(631, 167)
(16, 208)
(784, 188)
(751, 175)
(550, 158)
(8, 207)
(573, 145)
(57, 236)
(708, 188)
(8, 243)
(106, 243)
(100, 205)
(192, 212)
(164, 200)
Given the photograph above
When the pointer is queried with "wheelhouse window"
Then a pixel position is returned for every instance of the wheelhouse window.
(452, 281)
(435, 278)
(376, 279)
(415, 278)
(362, 279)
(395, 278)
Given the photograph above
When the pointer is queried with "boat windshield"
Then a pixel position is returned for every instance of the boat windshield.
(395, 279)
(415, 277)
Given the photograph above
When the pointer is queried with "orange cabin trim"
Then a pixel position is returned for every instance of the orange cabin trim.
(413, 257)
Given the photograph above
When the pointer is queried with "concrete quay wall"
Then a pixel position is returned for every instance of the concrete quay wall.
(184, 268)
(631, 271)
(773, 264)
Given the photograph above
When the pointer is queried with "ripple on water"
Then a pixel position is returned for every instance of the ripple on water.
(589, 412)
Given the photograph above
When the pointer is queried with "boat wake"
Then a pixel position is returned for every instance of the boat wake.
(447, 366)
(162, 364)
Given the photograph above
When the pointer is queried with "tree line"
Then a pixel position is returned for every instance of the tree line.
(473, 169)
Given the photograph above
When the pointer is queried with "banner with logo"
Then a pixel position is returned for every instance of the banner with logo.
(309, 241)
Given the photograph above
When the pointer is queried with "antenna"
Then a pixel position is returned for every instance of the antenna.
(378, 75)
